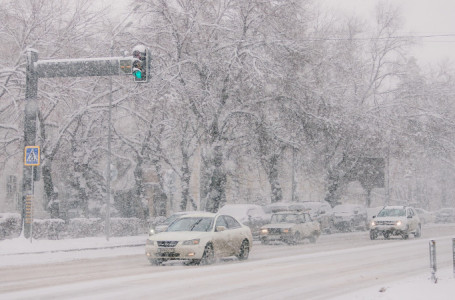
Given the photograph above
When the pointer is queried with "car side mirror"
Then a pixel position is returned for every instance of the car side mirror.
(220, 228)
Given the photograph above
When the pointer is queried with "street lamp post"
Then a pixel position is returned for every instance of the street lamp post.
(293, 199)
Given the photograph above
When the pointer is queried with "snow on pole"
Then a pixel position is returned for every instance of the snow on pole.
(81, 67)
(453, 256)
(433, 261)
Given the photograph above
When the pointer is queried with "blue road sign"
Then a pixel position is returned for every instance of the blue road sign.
(32, 156)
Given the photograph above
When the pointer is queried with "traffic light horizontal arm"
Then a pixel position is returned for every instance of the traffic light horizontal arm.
(103, 66)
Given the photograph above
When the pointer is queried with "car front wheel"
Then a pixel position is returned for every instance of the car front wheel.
(418, 232)
(373, 235)
(209, 256)
(155, 262)
(313, 238)
(296, 238)
(244, 251)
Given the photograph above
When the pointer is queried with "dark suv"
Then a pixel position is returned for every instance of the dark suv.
(350, 217)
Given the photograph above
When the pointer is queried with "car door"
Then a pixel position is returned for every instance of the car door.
(324, 217)
(304, 226)
(312, 225)
(221, 237)
(235, 236)
(412, 219)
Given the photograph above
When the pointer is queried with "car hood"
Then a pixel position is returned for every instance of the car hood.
(160, 228)
(279, 225)
(389, 219)
(177, 235)
(445, 214)
(343, 213)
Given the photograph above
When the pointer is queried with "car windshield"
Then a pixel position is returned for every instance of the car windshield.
(191, 224)
(344, 209)
(284, 218)
(170, 219)
(392, 212)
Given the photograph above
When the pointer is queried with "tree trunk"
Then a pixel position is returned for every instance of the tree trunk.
(51, 205)
(277, 193)
(185, 184)
(213, 180)
(139, 189)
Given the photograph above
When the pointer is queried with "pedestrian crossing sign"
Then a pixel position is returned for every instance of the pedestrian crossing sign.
(32, 156)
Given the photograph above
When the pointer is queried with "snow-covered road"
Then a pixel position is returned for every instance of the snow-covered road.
(335, 266)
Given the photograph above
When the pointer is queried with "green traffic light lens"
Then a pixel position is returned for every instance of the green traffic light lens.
(138, 74)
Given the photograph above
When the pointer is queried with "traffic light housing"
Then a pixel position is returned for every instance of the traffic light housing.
(141, 63)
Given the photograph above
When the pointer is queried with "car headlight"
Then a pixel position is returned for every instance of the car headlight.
(398, 223)
(149, 242)
(191, 242)
(264, 231)
(373, 223)
(285, 230)
(152, 231)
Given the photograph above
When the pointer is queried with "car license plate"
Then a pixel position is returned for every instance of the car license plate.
(165, 250)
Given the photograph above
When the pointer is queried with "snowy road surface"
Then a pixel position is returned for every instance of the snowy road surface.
(335, 266)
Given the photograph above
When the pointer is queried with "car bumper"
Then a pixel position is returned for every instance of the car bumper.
(342, 223)
(175, 253)
(394, 230)
(276, 237)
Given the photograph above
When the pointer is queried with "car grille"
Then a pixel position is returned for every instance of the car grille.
(167, 243)
(385, 222)
(168, 254)
(274, 230)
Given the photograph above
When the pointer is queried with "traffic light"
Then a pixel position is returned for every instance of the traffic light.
(141, 63)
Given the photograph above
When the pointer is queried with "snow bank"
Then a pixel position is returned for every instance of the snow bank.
(420, 287)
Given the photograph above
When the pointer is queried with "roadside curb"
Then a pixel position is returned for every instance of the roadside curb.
(72, 250)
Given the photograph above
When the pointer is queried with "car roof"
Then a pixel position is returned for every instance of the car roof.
(288, 212)
(187, 212)
(394, 207)
(199, 214)
(241, 205)
(238, 209)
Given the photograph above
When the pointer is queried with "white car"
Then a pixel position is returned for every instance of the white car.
(200, 238)
(290, 227)
(396, 220)
(320, 211)
(445, 215)
(425, 216)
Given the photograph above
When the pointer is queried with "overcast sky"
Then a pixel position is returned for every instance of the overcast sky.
(422, 17)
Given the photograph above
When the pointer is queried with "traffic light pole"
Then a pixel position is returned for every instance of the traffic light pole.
(104, 66)
(31, 109)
